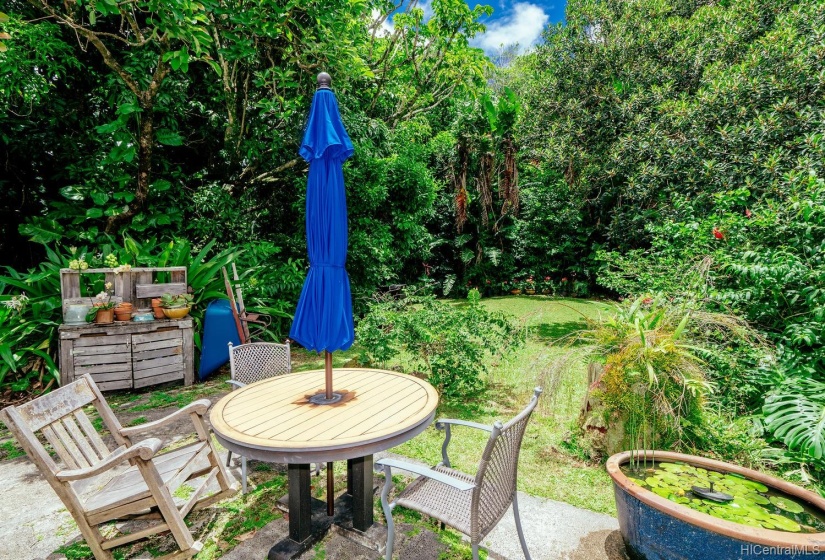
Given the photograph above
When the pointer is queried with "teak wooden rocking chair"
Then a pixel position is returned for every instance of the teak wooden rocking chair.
(143, 490)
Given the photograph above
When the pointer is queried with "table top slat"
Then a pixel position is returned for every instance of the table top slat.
(273, 416)
(261, 395)
(290, 417)
(363, 423)
(332, 424)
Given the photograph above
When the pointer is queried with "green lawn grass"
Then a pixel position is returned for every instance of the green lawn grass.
(545, 469)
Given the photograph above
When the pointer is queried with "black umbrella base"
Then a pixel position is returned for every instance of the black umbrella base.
(321, 398)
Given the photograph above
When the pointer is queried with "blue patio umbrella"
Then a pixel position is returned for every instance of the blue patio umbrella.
(323, 319)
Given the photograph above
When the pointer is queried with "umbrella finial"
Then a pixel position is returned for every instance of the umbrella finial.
(324, 80)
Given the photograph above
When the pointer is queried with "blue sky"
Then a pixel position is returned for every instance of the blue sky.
(521, 21)
(518, 22)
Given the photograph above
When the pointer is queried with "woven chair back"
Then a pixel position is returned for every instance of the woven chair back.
(496, 477)
(259, 360)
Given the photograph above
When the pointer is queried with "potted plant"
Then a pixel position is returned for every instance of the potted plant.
(530, 286)
(123, 311)
(512, 286)
(103, 307)
(546, 286)
(157, 309)
(176, 306)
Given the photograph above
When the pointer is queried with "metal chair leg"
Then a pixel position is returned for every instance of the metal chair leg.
(385, 492)
(243, 473)
(518, 528)
(228, 457)
(475, 552)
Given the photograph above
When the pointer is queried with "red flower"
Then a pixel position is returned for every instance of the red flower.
(564, 279)
(488, 281)
(647, 300)
(748, 212)
(718, 234)
(546, 278)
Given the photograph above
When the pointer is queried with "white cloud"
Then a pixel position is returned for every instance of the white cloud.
(523, 26)
(387, 26)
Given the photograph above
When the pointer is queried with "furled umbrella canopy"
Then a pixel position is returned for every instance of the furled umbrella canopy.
(323, 320)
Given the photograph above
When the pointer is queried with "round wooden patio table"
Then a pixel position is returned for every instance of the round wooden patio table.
(273, 420)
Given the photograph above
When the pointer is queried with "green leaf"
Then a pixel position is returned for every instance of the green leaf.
(42, 231)
(8, 357)
(94, 213)
(161, 185)
(99, 198)
(72, 192)
(168, 137)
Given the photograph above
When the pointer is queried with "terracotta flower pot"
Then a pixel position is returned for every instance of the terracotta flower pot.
(529, 292)
(105, 316)
(515, 291)
(123, 315)
(157, 309)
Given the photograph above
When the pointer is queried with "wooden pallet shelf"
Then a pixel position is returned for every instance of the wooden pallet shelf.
(130, 354)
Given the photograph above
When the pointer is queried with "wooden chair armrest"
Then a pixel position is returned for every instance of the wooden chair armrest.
(198, 407)
(456, 483)
(144, 450)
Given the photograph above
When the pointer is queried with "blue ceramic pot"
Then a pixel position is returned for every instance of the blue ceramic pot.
(655, 528)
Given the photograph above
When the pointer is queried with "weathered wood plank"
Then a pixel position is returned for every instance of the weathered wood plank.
(149, 354)
(69, 284)
(163, 334)
(91, 434)
(175, 359)
(69, 445)
(59, 448)
(148, 381)
(157, 290)
(188, 358)
(79, 439)
(101, 340)
(119, 358)
(142, 374)
(157, 345)
(130, 327)
(66, 364)
(103, 369)
(100, 349)
(55, 405)
(113, 385)
(109, 375)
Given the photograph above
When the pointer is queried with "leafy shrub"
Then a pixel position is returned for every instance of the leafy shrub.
(655, 384)
(452, 343)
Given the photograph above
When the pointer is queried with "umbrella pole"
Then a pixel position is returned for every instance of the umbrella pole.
(330, 490)
(328, 374)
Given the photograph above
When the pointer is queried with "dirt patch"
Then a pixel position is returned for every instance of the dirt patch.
(601, 544)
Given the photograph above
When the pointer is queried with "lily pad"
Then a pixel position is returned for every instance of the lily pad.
(785, 524)
(786, 504)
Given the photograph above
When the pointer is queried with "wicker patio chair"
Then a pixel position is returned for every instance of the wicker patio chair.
(472, 505)
(134, 481)
(253, 362)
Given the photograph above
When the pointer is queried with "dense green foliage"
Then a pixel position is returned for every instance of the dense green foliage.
(672, 147)
(453, 345)
(680, 148)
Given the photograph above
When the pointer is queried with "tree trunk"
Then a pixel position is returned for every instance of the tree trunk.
(146, 139)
